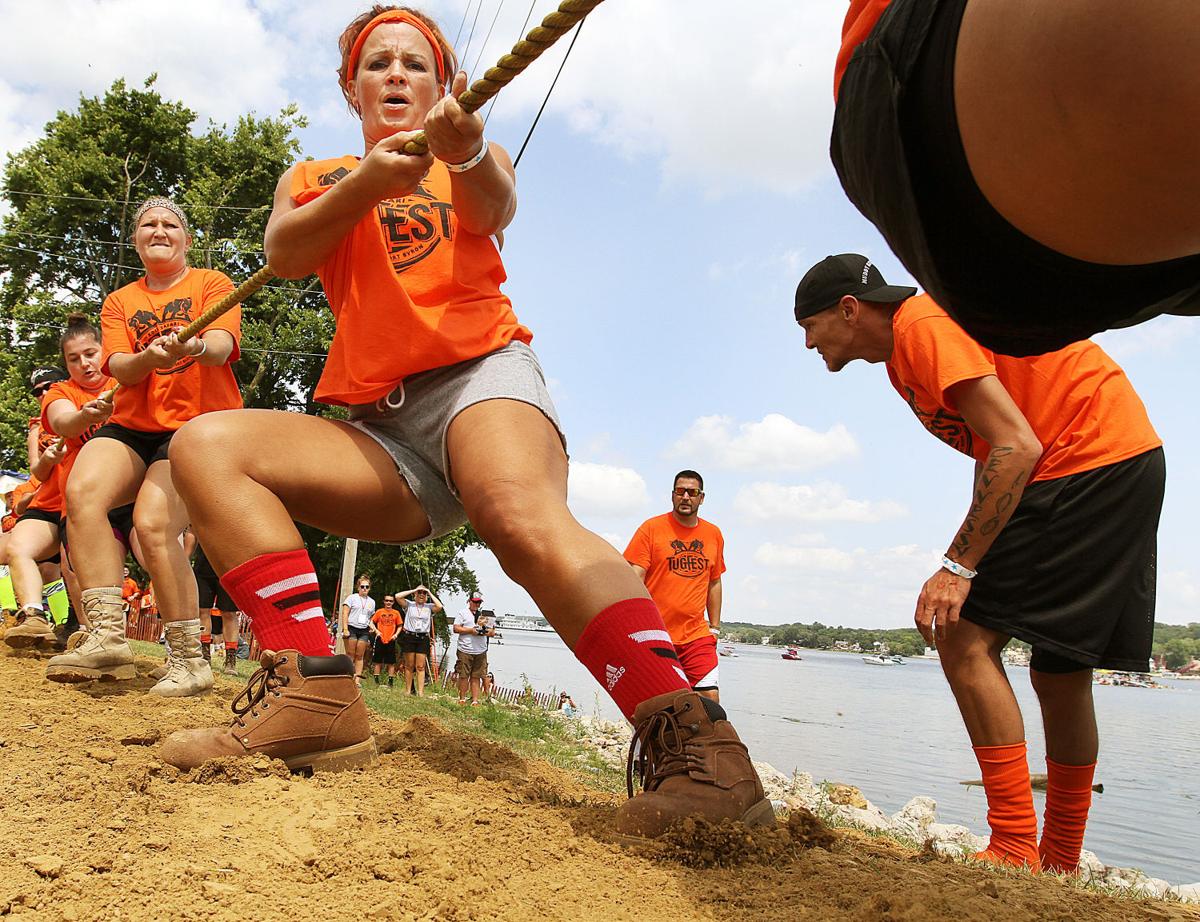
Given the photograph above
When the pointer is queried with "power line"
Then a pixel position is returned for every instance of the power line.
(486, 39)
(520, 35)
(140, 270)
(471, 35)
(58, 329)
(554, 83)
(123, 201)
(127, 246)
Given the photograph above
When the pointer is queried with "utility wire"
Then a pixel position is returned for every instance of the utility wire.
(120, 201)
(554, 83)
(128, 246)
(471, 34)
(483, 47)
(520, 35)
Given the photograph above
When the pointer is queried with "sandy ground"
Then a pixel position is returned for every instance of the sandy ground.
(446, 826)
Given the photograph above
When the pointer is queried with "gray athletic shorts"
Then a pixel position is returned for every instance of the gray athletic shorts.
(411, 422)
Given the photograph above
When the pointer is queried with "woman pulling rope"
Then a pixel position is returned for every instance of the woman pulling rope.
(451, 422)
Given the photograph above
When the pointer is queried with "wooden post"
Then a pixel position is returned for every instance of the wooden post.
(349, 561)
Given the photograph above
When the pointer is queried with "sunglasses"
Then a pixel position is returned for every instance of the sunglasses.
(389, 601)
(687, 491)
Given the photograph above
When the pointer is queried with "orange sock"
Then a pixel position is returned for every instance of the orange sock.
(1068, 798)
(1010, 806)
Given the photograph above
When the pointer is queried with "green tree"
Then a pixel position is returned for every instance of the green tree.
(64, 246)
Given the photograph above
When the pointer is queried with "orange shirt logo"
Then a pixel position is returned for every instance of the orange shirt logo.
(688, 560)
(146, 327)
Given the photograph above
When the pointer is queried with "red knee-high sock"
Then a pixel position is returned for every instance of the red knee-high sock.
(279, 592)
(206, 638)
(628, 650)
(231, 645)
(1068, 798)
(1010, 805)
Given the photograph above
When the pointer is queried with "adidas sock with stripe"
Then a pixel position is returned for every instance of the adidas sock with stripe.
(279, 593)
(629, 652)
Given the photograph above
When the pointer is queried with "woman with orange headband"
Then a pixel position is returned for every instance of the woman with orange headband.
(451, 423)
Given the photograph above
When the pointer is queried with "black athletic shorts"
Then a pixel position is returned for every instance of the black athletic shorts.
(384, 653)
(213, 595)
(897, 150)
(149, 446)
(358, 633)
(1073, 571)
(414, 643)
(55, 519)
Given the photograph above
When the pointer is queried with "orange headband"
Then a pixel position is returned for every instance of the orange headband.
(396, 16)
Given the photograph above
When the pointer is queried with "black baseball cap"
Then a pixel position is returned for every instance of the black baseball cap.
(45, 376)
(848, 274)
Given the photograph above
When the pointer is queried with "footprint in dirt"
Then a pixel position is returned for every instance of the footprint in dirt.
(467, 758)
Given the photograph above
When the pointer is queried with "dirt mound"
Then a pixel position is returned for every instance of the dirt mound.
(698, 843)
(445, 827)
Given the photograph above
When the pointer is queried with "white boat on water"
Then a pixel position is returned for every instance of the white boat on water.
(879, 661)
(728, 650)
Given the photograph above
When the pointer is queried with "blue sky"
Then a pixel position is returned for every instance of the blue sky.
(673, 194)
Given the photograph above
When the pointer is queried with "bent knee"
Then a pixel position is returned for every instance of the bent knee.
(517, 522)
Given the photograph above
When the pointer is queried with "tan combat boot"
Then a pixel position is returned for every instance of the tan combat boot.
(32, 629)
(691, 763)
(188, 672)
(103, 653)
(304, 710)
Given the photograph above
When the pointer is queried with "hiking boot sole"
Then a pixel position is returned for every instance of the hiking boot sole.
(25, 641)
(761, 814)
(90, 674)
(360, 755)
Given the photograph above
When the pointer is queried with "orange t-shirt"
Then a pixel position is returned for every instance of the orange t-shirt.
(1078, 401)
(49, 496)
(13, 497)
(129, 588)
(410, 287)
(680, 563)
(78, 396)
(387, 623)
(860, 20)
(134, 316)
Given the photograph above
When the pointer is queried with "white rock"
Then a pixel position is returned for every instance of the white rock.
(915, 817)
(1155, 887)
(872, 819)
(1090, 867)
(1188, 892)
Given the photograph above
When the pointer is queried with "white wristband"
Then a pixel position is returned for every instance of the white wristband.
(957, 568)
(203, 348)
(469, 164)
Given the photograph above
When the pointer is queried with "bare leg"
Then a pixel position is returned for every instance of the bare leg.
(106, 474)
(465, 682)
(419, 673)
(1080, 118)
(229, 627)
(970, 657)
(509, 465)
(160, 518)
(274, 467)
(409, 660)
(29, 541)
(1068, 715)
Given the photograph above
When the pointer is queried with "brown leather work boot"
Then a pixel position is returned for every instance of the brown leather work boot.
(304, 710)
(31, 630)
(691, 763)
(230, 667)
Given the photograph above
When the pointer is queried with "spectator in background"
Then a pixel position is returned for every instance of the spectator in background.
(131, 596)
(473, 632)
(417, 637)
(385, 623)
(567, 705)
(357, 611)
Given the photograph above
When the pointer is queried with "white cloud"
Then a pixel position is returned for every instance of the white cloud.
(822, 502)
(775, 443)
(217, 56)
(730, 105)
(804, 558)
(1159, 337)
(604, 489)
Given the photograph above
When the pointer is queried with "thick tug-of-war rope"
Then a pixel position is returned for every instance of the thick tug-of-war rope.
(524, 53)
(557, 24)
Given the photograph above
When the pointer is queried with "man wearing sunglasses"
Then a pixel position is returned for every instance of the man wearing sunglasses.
(680, 557)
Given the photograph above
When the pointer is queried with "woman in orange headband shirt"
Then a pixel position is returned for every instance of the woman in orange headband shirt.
(451, 423)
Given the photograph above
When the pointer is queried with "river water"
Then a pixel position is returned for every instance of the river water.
(894, 732)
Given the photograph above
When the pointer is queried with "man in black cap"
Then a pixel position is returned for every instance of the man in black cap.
(1057, 547)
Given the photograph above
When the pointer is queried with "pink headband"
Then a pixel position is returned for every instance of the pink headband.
(396, 16)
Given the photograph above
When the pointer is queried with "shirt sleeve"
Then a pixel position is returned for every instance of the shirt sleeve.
(115, 338)
(216, 286)
(638, 552)
(718, 565)
(57, 392)
(940, 354)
